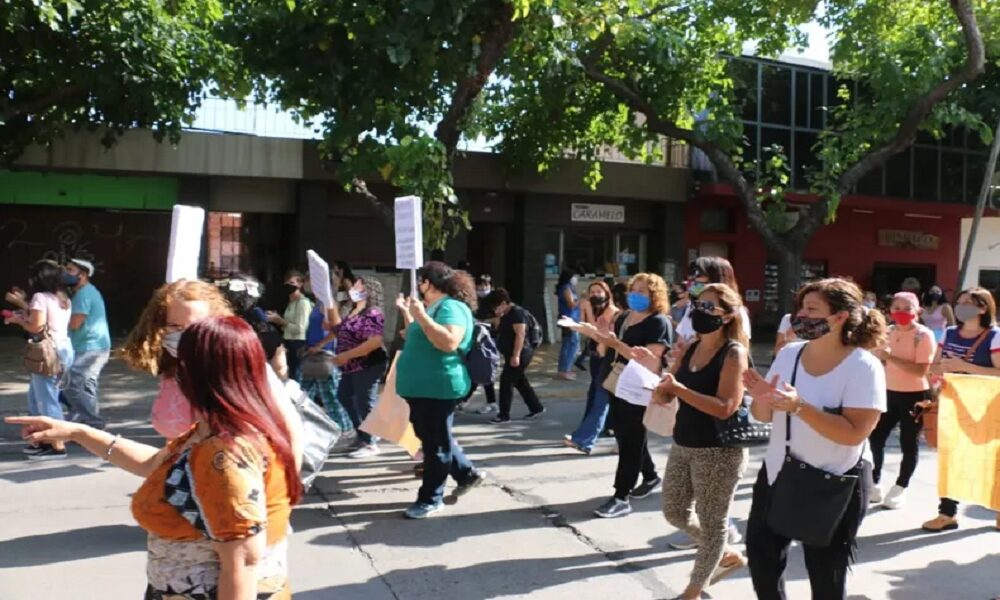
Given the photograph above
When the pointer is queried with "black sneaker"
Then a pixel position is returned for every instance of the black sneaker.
(613, 508)
(499, 419)
(532, 415)
(580, 363)
(645, 488)
(477, 479)
(48, 453)
(33, 450)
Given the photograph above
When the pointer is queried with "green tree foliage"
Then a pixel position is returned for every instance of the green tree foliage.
(390, 84)
(584, 76)
(108, 64)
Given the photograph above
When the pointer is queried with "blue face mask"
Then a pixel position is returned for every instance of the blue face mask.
(70, 280)
(638, 302)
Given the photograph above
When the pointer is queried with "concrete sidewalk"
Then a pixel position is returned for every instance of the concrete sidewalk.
(67, 530)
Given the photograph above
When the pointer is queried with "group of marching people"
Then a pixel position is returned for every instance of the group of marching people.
(234, 437)
(844, 377)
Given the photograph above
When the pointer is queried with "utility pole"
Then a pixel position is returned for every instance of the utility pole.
(984, 195)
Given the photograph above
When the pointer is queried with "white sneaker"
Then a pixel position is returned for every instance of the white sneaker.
(896, 498)
(875, 495)
(487, 410)
(365, 452)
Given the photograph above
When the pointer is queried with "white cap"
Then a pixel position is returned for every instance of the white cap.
(84, 264)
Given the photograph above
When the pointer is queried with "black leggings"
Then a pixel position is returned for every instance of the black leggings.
(633, 452)
(900, 406)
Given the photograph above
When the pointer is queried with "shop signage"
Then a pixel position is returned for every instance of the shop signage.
(597, 213)
(898, 238)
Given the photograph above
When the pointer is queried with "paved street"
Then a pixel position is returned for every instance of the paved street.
(67, 531)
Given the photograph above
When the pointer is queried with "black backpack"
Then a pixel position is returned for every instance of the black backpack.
(534, 333)
(484, 359)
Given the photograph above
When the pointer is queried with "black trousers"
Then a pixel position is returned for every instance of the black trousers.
(488, 388)
(633, 452)
(827, 566)
(900, 404)
(515, 377)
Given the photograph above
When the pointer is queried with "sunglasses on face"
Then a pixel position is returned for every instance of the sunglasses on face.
(706, 306)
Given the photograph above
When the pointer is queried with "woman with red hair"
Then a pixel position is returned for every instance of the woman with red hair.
(216, 500)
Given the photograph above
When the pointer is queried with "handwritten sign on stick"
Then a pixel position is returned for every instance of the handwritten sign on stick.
(409, 233)
(319, 278)
(186, 230)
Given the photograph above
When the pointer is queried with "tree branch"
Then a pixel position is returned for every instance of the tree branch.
(359, 188)
(42, 102)
(745, 191)
(920, 109)
(492, 49)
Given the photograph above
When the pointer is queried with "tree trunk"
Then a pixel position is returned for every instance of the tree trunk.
(789, 278)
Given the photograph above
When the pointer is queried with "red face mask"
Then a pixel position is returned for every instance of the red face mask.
(902, 317)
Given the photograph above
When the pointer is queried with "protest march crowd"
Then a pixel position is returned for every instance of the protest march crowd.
(251, 403)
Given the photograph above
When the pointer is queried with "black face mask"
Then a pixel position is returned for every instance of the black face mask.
(705, 322)
(290, 288)
(598, 301)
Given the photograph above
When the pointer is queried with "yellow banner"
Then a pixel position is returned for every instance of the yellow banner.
(969, 440)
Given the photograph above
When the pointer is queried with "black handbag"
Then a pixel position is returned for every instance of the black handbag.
(740, 430)
(808, 504)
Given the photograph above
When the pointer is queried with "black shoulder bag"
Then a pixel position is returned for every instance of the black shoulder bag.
(808, 504)
(740, 430)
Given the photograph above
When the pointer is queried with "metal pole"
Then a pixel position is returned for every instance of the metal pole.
(413, 285)
(984, 194)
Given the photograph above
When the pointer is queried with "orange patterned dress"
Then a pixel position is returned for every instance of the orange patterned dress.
(212, 490)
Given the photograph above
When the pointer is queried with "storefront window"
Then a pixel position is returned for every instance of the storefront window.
(897, 175)
(744, 74)
(776, 101)
(589, 251)
(805, 158)
(925, 173)
(801, 99)
(952, 174)
(226, 251)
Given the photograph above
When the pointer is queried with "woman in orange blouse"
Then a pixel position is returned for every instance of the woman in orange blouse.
(216, 500)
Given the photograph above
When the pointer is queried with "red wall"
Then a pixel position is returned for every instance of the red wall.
(849, 246)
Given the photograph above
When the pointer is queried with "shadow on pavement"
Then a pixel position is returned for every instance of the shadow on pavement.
(41, 473)
(75, 544)
(946, 579)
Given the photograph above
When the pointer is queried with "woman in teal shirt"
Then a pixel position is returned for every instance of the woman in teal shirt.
(431, 376)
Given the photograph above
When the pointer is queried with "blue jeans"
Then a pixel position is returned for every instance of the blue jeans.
(43, 392)
(358, 393)
(569, 349)
(81, 391)
(596, 414)
(432, 419)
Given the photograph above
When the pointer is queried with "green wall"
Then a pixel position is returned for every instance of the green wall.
(97, 191)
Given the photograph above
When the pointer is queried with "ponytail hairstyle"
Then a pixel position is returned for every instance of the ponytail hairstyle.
(730, 302)
(450, 282)
(864, 328)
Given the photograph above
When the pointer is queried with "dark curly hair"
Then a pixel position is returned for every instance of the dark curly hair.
(450, 282)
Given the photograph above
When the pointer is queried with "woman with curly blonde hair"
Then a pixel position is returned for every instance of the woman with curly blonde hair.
(644, 325)
(152, 347)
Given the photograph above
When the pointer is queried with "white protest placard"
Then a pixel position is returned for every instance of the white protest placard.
(636, 384)
(186, 230)
(409, 233)
(319, 278)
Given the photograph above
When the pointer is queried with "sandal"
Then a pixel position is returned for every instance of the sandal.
(727, 566)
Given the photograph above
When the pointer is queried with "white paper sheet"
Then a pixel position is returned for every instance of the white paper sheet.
(409, 233)
(186, 229)
(319, 278)
(636, 384)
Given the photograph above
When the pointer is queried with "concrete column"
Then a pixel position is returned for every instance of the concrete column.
(529, 251)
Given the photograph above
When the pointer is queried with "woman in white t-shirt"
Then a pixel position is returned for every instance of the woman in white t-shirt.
(47, 310)
(837, 400)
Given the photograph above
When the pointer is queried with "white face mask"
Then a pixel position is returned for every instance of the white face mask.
(170, 342)
(357, 296)
(574, 280)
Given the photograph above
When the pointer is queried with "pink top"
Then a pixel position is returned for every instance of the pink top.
(917, 345)
(935, 319)
(56, 314)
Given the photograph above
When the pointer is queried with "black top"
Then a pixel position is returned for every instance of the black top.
(654, 329)
(694, 428)
(505, 332)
